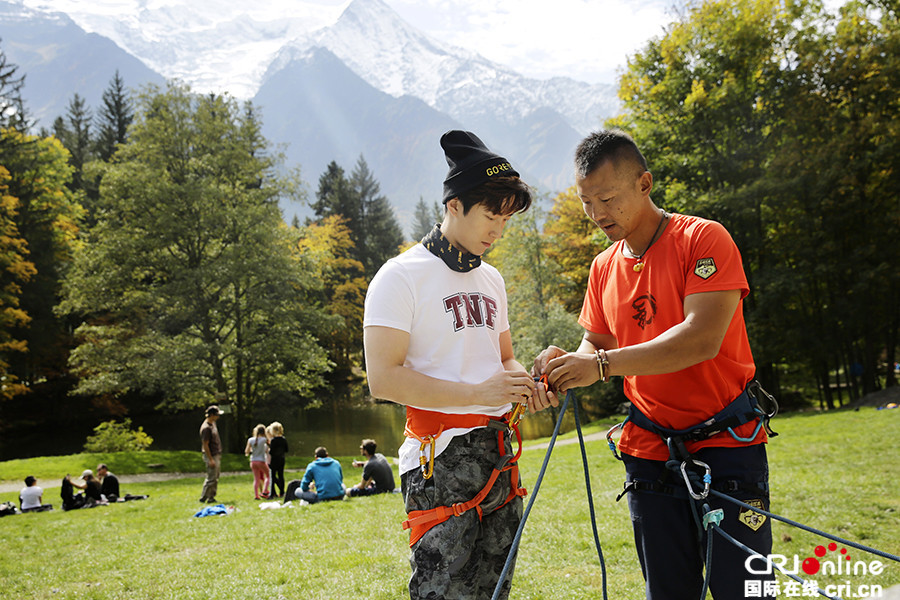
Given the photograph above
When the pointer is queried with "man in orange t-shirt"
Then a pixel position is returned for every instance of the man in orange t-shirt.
(663, 308)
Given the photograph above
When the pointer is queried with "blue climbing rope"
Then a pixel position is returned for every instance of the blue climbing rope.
(570, 397)
(824, 534)
(587, 485)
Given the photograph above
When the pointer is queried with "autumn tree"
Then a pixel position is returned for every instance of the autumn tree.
(16, 270)
(833, 211)
(328, 246)
(776, 118)
(47, 217)
(573, 243)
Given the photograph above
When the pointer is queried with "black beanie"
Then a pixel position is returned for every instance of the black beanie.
(471, 163)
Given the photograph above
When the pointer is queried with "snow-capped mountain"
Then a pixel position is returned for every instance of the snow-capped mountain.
(394, 57)
(332, 85)
(221, 46)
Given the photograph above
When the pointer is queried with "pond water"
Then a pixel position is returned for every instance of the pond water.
(344, 418)
(339, 425)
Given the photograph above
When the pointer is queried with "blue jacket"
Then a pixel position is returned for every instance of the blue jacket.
(327, 474)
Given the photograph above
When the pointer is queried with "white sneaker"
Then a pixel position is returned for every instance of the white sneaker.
(304, 503)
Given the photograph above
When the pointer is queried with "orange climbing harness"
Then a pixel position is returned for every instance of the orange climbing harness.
(420, 421)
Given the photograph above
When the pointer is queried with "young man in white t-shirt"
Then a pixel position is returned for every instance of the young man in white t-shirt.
(437, 340)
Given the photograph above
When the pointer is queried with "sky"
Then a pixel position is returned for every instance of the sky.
(587, 40)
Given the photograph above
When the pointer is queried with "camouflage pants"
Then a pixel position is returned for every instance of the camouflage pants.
(462, 557)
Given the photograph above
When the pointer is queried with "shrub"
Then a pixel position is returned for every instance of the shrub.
(111, 436)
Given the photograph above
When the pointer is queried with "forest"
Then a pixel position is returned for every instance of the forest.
(144, 253)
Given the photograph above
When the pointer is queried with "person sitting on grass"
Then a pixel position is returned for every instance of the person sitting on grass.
(109, 486)
(377, 476)
(31, 498)
(325, 473)
(92, 495)
(109, 483)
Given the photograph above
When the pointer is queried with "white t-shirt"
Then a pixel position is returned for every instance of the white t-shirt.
(454, 321)
(31, 496)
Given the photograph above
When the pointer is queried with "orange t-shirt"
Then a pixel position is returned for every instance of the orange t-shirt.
(693, 255)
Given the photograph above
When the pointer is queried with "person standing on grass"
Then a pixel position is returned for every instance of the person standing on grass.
(278, 449)
(663, 308)
(437, 339)
(377, 476)
(211, 446)
(257, 448)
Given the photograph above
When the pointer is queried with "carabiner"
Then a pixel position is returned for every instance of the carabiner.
(426, 463)
(516, 414)
(707, 479)
(612, 445)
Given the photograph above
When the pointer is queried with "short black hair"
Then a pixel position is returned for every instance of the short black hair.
(602, 146)
(501, 196)
(369, 446)
(321, 452)
(29, 481)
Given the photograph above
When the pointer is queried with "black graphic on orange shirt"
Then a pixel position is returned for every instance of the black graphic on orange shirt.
(644, 310)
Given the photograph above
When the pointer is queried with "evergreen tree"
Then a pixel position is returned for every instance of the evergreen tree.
(74, 131)
(425, 218)
(335, 197)
(12, 109)
(380, 236)
(366, 213)
(114, 118)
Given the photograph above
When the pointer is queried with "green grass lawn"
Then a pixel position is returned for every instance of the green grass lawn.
(837, 472)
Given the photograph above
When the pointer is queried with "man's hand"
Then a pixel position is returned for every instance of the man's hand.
(540, 363)
(504, 387)
(572, 370)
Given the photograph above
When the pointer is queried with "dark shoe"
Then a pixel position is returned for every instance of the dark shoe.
(212, 501)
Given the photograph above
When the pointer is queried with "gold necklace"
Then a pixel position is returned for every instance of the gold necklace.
(639, 265)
